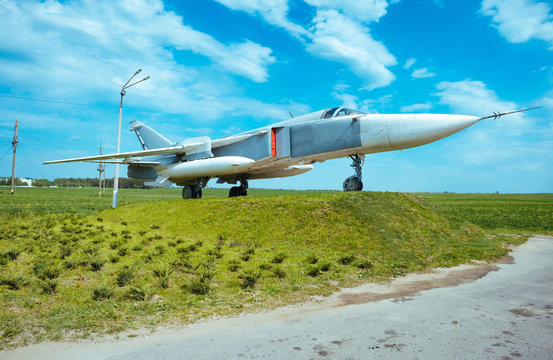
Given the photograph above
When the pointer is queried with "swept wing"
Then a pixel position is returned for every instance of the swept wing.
(128, 156)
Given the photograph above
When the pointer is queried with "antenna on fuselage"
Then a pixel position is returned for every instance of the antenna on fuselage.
(292, 115)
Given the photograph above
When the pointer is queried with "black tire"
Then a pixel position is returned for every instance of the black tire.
(243, 192)
(353, 183)
(198, 195)
(187, 192)
(234, 191)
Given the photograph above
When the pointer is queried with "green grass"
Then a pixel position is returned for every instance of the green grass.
(69, 264)
(86, 200)
(504, 212)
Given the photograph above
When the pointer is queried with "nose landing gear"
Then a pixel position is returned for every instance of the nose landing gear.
(354, 183)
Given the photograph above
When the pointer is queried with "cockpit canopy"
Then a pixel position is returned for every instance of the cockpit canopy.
(337, 112)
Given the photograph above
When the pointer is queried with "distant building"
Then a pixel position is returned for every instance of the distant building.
(29, 182)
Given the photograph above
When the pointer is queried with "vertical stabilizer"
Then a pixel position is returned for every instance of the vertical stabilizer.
(149, 138)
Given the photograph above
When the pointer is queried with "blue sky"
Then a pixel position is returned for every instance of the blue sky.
(219, 67)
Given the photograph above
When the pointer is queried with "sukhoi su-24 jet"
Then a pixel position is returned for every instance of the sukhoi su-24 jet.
(287, 148)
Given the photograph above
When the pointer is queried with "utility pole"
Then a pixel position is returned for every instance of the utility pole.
(14, 144)
(101, 169)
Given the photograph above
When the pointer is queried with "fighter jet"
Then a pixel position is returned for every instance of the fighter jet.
(286, 148)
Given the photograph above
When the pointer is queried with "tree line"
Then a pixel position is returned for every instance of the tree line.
(124, 183)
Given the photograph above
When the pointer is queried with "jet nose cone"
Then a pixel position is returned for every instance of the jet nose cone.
(419, 129)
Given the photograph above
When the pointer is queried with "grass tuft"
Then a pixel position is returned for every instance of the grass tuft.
(346, 259)
(101, 292)
(137, 293)
(279, 272)
(312, 259)
(249, 278)
(279, 258)
(313, 271)
(233, 265)
(198, 286)
(162, 272)
(14, 281)
(364, 264)
(49, 286)
(97, 263)
(124, 275)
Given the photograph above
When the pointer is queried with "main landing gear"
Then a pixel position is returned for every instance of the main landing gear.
(194, 191)
(354, 183)
(241, 190)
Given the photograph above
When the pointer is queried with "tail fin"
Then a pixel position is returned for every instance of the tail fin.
(149, 138)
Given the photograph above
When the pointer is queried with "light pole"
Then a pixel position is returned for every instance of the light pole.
(116, 177)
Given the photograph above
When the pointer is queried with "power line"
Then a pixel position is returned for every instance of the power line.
(31, 161)
(55, 101)
(6, 153)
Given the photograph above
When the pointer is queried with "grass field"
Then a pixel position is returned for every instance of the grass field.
(502, 212)
(72, 266)
(86, 200)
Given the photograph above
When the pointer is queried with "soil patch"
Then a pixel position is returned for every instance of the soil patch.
(415, 283)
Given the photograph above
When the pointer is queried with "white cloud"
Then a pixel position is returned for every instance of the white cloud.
(84, 51)
(124, 30)
(415, 108)
(247, 59)
(521, 20)
(275, 12)
(410, 62)
(346, 100)
(547, 102)
(366, 11)
(500, 144)
(337, 33)
(470, 97)
(422, 73)
(338, 38)
(88, 37)
(353, 102)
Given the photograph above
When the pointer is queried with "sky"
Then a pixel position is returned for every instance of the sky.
(219, 67)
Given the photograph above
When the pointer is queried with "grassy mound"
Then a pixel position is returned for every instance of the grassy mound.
(176, 261)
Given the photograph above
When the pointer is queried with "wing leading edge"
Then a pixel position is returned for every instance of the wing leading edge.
(127, 156)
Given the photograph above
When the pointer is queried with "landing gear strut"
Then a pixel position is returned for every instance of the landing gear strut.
(241, 190)
(354, 183)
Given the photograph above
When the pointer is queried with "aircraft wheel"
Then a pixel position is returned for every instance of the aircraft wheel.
(187, 192)
(353, 183)
(234, 191)
(197, 194)
(243, 192)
